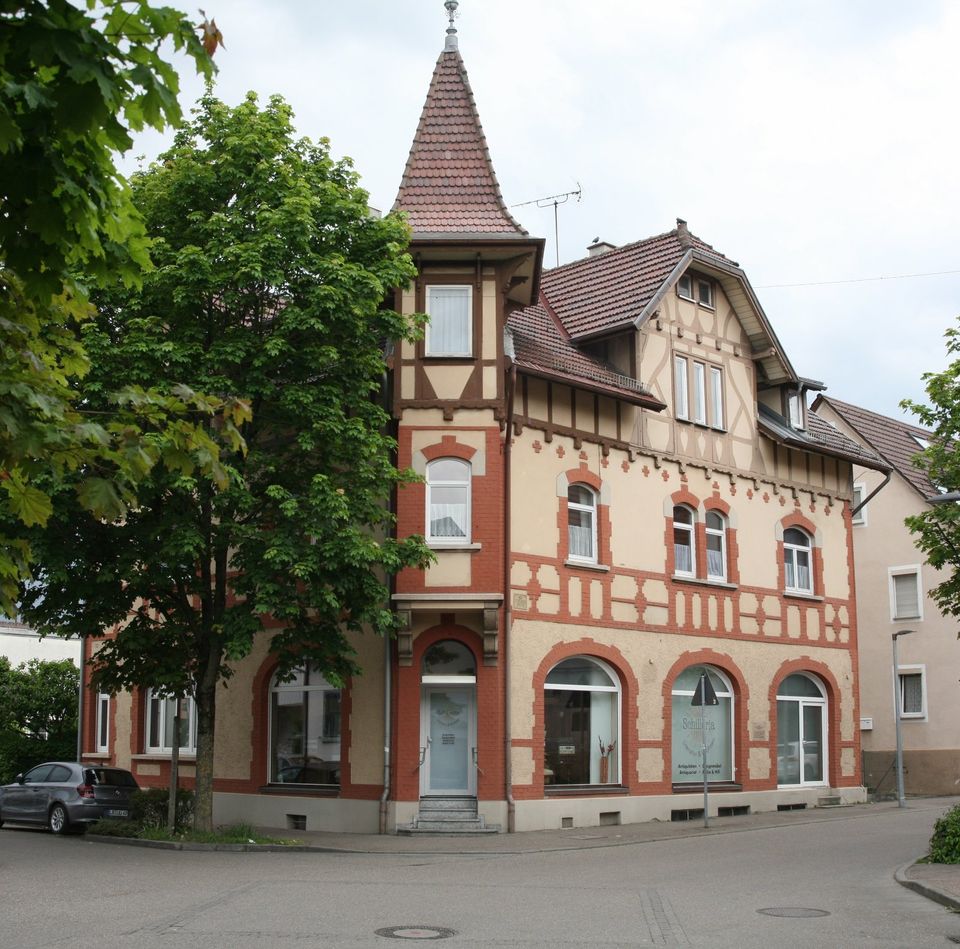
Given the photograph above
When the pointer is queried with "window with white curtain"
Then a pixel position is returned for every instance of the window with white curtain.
(103, 723)
(797, 560)
(450, 327)
(684, 561)
(582, 523)
(905, 599)
(681, 393)
(448, 501)
(699, 393)
(913, 693)
(716, 546)
(716, 397)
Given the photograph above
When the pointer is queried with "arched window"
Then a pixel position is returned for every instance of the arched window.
(696, 725)
(582, 521)
(581, 705)
(684, 556)
(448, 660)
(448, 501)
(304, 729)
(716, 527)
(797, 556)
(801, 730)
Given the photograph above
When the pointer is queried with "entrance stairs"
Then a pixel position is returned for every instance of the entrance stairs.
(448, 815)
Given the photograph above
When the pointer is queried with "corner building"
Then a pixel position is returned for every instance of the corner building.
(625, 490)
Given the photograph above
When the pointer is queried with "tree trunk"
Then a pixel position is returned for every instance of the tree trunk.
(206, 700)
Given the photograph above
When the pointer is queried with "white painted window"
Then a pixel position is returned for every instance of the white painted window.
(912, 681)
(450, 328)
(448, 502)
(795, 409)
(103, 723)
(797, 561)
(716, 527)
(684, 527)
(705, 292)
(582, 523)
(681, 393)
(801, 731)
(716, 397)
(906, 599)
(685, 287)
(859, 493)
(160, 716)
(699, 393)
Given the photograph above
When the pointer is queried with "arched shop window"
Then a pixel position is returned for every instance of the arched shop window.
(692, 724)
(304, 730)
(801, 730)
(582, 723)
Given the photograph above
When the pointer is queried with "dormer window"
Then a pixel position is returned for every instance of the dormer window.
(795, 409)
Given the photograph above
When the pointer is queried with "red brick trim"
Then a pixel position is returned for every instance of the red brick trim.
(448, 447)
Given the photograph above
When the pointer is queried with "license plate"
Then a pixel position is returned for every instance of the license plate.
(117, 812)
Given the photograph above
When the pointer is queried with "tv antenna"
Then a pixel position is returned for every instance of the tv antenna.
(556, 200)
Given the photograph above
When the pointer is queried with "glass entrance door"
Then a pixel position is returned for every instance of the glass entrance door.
(449, 738)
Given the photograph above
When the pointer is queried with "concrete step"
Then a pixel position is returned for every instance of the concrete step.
(448, 804)
(440, 827)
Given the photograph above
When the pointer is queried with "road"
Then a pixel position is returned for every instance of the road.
(700, 891)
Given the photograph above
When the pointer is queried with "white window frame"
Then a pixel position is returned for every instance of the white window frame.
(704, 283)
(725, 692)
(913, 670)
(685, 286)
(592, 510)
(716, 398)
(681, 391)
(188, 708)
(691, 530)
(444, 541)
(860, 518)
(467, 292)
(795, 409)
(102, 742)
(699, 393)
(820, 703)
(790, 551)
(720, 532)
(904, 571)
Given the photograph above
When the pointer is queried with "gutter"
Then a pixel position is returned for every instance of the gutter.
(873, 493)
(507, 603)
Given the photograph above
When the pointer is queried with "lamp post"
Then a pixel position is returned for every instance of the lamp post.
(901, 800)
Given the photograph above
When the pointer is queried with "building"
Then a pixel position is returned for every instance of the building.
(19, 643)
(626, 492)
(892, 586)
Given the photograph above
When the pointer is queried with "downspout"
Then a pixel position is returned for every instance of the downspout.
(872, 494)
(507, 604)
(387, 652)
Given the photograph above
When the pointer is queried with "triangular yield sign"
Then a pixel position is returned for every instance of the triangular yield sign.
(705, 694)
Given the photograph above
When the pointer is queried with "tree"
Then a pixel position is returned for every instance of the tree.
(38, 714)
(73, 85)
(937, 529)
(268, 287)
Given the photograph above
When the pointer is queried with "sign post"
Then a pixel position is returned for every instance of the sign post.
(703, 696)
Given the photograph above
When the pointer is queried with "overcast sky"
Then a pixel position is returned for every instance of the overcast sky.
(816, 143)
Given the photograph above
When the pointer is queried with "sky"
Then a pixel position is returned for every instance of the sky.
(815, 143)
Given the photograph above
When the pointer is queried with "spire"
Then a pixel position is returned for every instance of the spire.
(452, 14)
(449, 185)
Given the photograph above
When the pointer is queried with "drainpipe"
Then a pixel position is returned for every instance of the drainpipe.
(387, 652)
(872, 494)
(507, 605)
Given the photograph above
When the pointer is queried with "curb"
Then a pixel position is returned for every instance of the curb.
(219, 848)
(928, 890)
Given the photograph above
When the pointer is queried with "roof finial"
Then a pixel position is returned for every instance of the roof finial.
(451, 6)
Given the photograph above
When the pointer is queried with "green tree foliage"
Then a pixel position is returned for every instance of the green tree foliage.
(937, 529)
(38, 714)
(74, 84)
(268, 287)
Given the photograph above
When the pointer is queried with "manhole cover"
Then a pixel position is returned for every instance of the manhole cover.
(794, 912)
(415, 932)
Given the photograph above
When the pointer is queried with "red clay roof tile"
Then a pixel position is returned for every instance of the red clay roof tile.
(449, 185)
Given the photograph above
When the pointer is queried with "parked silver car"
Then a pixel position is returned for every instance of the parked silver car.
(67, 796)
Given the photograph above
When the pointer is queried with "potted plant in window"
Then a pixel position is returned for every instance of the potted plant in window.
(605, 751)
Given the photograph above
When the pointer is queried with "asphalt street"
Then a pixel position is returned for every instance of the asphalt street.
(832, 877)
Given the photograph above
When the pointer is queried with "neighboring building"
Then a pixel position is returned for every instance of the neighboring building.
(892, 594)
(19, 643)
(624, 488)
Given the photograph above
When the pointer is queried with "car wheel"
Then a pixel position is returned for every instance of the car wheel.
(59, 822)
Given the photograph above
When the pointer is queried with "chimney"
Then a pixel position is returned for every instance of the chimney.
(683, 235)
(599, 247)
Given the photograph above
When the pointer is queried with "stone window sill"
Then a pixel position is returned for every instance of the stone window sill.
(583, 565)
(583, 790)
(185, 758)
(702, 582)
(441, 548)
(798, 595)
(300, 790)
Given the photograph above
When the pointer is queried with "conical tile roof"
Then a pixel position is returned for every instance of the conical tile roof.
(449, 186)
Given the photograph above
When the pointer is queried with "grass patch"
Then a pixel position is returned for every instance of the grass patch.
(239, 833)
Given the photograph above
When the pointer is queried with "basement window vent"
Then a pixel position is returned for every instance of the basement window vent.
(739, 811)
(609, 817)
(566, 822)
(296, 821)
(693, 813)
(791, 807)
